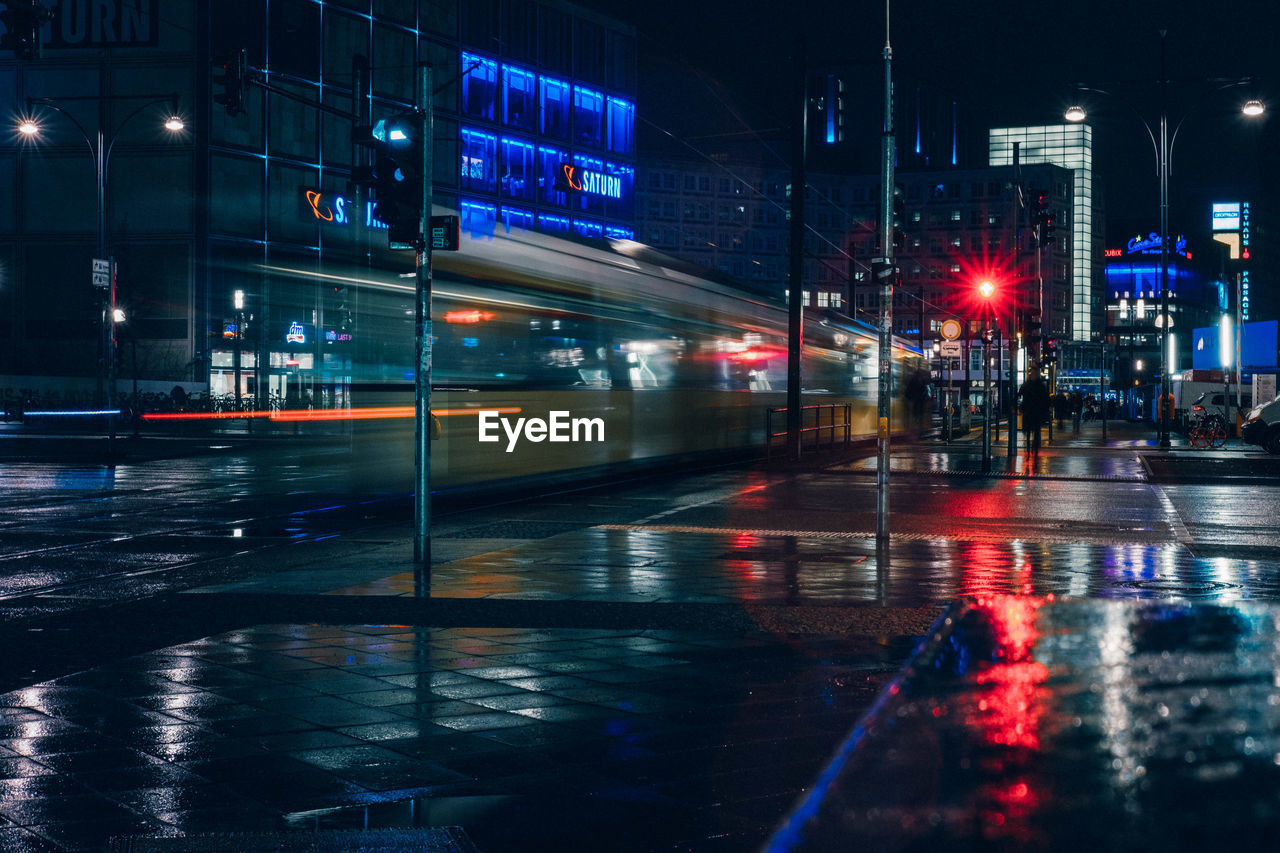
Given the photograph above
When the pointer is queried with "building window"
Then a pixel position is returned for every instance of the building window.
(588, 228)
(479, 160)
(549, 160)
(825, 299)
(588, 116)
(519, 171)
(477, 217)
(519, 98)
(514, 217)
(621, 127)
(553, 224)
(555, 107)
(479, 86)
(955, 216)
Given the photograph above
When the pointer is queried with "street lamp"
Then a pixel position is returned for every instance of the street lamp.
(100, 148)
(1163, 149)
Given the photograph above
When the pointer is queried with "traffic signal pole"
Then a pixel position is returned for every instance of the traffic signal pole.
(422, 385)
(795, 296)
(883, 270)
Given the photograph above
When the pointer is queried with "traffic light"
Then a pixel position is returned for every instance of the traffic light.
(396, 176)
(1041, 217)
(1029, 325)
(234, 79)
(1049, 351)
(22, 22)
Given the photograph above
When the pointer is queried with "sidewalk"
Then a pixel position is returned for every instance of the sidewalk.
(677, 683)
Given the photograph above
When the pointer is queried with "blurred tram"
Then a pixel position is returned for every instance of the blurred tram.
(674, 364)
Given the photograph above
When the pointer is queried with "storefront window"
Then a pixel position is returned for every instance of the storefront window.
(519, 104)
(479, 86)
(553, 224)
(587, 228)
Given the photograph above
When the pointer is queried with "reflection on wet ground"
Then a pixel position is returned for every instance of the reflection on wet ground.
(1047, 725)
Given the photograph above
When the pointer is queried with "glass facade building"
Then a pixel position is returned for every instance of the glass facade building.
(1069, 146)
(261, 202)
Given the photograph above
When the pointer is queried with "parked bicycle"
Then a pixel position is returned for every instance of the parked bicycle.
(1207, 430)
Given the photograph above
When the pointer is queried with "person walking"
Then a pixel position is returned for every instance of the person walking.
(1034, 398)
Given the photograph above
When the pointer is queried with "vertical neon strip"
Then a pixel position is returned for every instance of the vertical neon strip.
(954, 132)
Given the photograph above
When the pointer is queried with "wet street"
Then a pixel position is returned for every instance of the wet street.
(233, 638)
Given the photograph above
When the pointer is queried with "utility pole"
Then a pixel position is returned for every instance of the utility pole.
(422, 386)
(795, 296)
(882, 272)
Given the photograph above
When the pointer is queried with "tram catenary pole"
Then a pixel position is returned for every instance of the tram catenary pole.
(883, 272)
(422, 386)
(795, 295)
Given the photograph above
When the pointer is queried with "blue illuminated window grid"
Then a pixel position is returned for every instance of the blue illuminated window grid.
(479, 86)
(587, 228)
(617, 232)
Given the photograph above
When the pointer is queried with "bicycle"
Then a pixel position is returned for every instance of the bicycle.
(1207, 431)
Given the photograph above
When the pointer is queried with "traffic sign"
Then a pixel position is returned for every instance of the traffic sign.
(949, 349)
(951, 331)
(102, 279)
(101, 265)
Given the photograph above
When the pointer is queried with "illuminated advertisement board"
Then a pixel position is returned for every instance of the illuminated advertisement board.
(1226, 216)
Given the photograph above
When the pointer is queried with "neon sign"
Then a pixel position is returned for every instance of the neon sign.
(335, 209)
(1150, 245)
(1226, 215)
(582, 180)
(296, 334)
(336, 337)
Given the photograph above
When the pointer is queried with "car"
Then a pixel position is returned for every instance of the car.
(1215, 406)
(1262, 427)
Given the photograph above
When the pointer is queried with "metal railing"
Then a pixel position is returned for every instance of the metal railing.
(829, 426)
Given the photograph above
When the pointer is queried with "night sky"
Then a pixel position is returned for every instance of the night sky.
(1006, 63)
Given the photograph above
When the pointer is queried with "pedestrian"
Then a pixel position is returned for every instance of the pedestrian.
(1034, 398)
(1077, 406)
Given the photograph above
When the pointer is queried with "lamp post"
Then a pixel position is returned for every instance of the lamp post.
(237, 301)
(100, 148)
(1163, 147)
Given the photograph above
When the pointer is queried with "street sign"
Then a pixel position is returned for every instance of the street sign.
(101, 275)
(951, 331)
(949, 349)
(445, 233)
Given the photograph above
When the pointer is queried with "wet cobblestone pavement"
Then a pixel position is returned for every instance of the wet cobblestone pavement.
(669, 670)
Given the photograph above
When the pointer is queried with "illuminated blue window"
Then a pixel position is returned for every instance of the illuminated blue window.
(617, 232)
(519, 98)
(477, 218)
(553, 224)
(514, 217)
(585, 200)
(555, 107)
(471, 343)
(519, 169)
(587, 228)
(479, 86)
(588, 116)
(479, 160)
(549, 160)
(622, 126)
